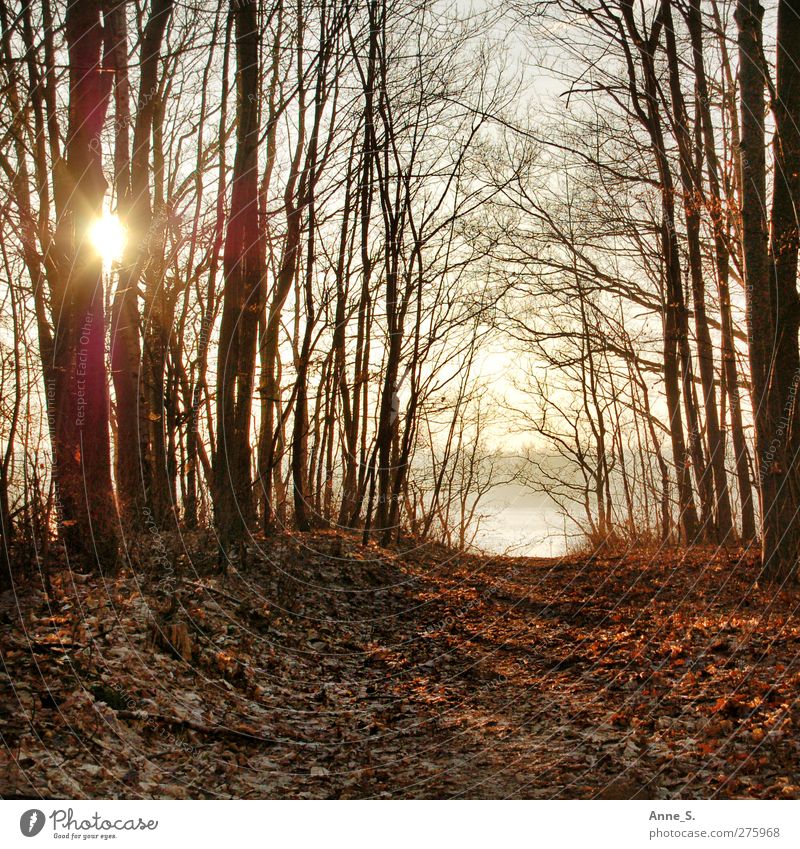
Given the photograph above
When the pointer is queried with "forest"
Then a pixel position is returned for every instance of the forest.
(293, 292)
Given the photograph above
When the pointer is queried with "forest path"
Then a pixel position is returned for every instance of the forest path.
(650, 676)
(330, 670)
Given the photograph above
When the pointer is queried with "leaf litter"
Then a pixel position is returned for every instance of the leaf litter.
(327, 669)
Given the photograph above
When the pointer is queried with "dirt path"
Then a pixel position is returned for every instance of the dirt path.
(327, 670)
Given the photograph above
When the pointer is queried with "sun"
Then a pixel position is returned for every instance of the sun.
(107, 236)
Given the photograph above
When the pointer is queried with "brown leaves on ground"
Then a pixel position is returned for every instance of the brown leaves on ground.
(326, 669)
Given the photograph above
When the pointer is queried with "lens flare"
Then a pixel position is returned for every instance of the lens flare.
(108, 238)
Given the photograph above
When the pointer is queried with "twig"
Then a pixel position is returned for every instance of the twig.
(190, 724)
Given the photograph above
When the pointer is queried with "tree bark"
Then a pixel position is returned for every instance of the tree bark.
(675, 322)
(691, 184)
(762, 327)
(243, 269)
(782, 544)
(82, 449)
(722, 259)
(135, 462)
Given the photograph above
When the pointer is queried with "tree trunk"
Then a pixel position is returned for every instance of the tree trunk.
(762, 329)
(782, 548)
(82, 451)
(722, 259)
(675, 323)
(135, 463)
(722, 525)
(243, 269)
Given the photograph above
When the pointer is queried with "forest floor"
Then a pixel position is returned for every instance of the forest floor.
(328, 670)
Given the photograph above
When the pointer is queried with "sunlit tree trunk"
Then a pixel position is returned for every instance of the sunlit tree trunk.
(722, 259)
(82, 451)
(270, 443)
(674, 306)
(193, 442)
(135, 460)
(770, 258)
(692, 204)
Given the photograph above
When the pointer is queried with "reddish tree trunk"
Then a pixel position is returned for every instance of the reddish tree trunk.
(82, 451)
